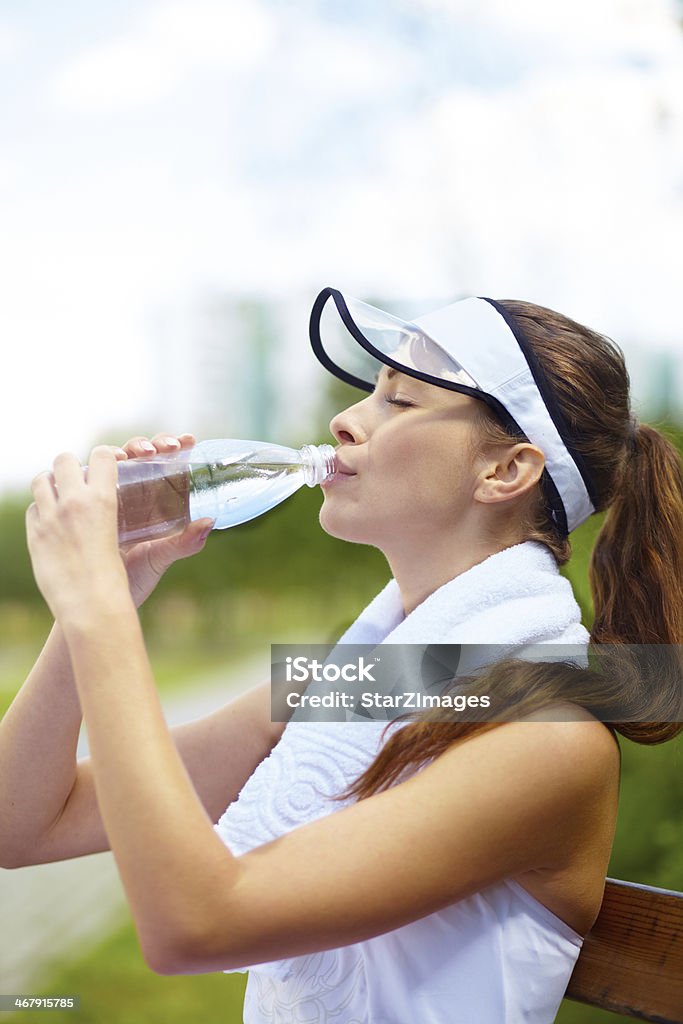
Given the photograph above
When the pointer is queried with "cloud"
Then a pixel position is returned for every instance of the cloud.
(11, 41)
(496, 151)
(568, 190)
(348, 149)
(166, 45)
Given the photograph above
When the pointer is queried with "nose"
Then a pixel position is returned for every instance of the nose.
(348, 426)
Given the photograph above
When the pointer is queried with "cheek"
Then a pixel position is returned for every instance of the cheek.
(430, 484)
(426, 468)
(399, 459)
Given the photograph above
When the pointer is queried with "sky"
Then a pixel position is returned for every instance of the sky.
(160, 154)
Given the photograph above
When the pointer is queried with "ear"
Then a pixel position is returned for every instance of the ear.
(509, 473)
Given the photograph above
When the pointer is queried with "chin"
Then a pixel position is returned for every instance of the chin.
(338, 526)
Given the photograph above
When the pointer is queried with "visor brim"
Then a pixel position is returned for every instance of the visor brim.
(372, 338)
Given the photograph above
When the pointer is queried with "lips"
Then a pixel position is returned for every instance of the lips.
(342, 472)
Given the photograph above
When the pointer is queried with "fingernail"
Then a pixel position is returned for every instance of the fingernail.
(147, 446)
(172, 442)
(205, 533)
(120, 451)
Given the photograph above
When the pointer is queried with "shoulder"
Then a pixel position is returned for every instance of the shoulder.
(558, 729)
(537, 782)
(578, 730)
(570, 741)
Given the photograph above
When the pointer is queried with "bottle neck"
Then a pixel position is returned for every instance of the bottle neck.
(319, 463)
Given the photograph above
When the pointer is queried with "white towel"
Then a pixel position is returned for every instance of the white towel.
(502, 607)
(515, 597)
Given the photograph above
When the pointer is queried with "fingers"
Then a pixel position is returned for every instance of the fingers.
(67, 471)
(68, 479)
(197, 532)
(102, 471)
(138, 447)
(189, 541)
(182, 440)
(43, 490)
(166, 551)
(33, 523)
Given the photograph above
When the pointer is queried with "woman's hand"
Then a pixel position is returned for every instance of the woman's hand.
(147, 561)
(72, 534)
(72, 528)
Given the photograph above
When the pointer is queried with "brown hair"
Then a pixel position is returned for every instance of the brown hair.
(635, 572)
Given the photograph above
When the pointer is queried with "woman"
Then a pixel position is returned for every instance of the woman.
(455, 880)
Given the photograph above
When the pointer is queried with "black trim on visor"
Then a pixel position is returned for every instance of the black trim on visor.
(553, 500)
(364, 385)
(316, 342)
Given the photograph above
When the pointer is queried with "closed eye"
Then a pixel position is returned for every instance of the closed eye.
(398, 401)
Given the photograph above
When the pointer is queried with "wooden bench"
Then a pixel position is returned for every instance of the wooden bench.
(632, 959)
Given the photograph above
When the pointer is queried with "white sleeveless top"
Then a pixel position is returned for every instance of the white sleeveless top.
(497, 957)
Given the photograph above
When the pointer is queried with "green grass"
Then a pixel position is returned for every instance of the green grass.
(173, 671)
(15, 663)
(116, 987)
(577, 1013)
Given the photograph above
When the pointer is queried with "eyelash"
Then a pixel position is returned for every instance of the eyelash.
(398, 401)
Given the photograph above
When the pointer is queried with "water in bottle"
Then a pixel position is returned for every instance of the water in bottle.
(230, 481)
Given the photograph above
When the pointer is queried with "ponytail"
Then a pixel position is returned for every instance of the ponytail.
(636, 578)
(636, 569)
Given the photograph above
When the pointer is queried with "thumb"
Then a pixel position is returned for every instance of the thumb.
(182, 545)
(193, 538)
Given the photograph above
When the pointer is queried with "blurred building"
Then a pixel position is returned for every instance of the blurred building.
(656, 377)
(665, 400)
(237, 366)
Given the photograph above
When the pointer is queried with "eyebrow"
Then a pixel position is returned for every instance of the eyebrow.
(391, 372)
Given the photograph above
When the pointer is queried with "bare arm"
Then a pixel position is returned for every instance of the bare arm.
(38, 739)
(48, 808)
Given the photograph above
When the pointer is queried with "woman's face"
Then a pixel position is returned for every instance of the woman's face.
(406, 469)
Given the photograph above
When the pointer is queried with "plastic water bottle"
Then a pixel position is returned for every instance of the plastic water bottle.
(230, 481)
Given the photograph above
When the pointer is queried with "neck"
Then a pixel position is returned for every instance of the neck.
(421, 569)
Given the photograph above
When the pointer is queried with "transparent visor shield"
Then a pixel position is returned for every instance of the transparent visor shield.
(354, 340)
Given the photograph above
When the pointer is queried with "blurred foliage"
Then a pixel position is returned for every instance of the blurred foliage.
(16, 582)
(265, 582)
(116, 987)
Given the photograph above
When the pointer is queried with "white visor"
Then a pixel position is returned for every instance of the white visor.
(471, 347)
